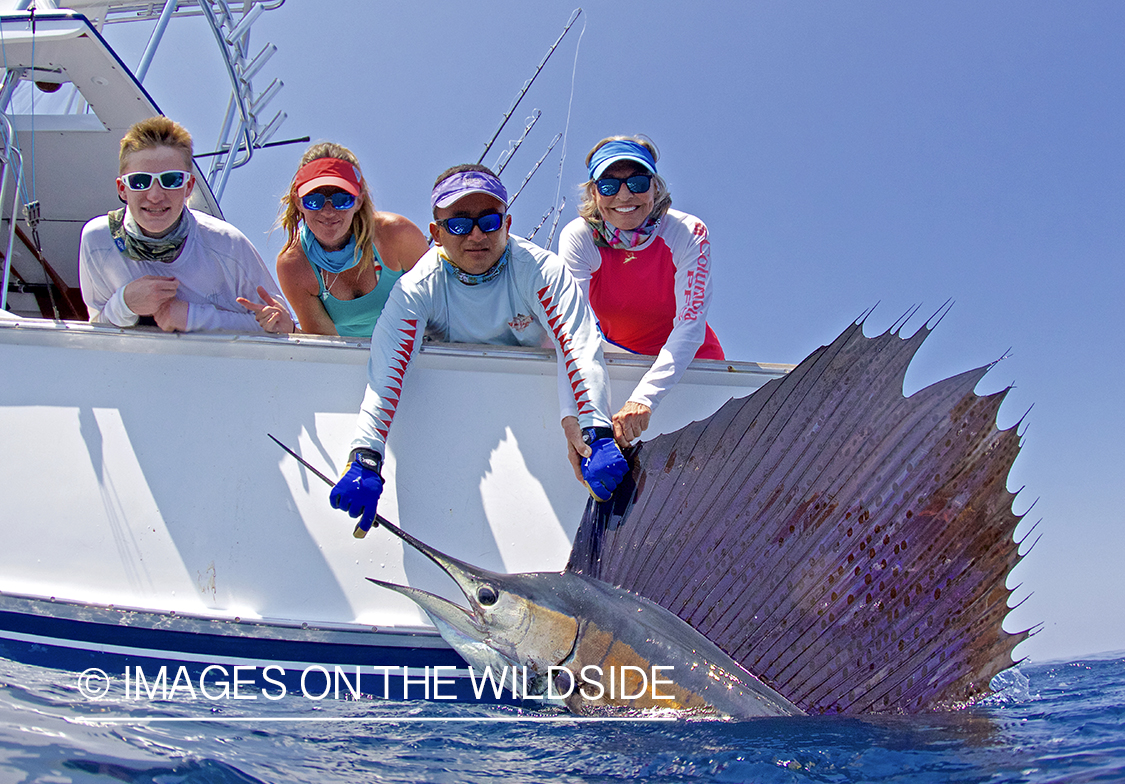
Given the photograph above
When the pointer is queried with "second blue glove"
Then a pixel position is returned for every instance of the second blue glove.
(358, 490)
(603, 470)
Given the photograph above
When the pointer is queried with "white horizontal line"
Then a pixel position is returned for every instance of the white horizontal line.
(395, 719)
(180, 657)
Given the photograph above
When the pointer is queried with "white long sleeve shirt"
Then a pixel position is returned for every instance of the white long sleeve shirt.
(651, 299)
(534, 301)
(217, 265)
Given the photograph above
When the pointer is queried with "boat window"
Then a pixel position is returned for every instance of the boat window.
(50, 103)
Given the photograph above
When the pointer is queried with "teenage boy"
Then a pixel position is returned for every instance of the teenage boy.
(159, 261)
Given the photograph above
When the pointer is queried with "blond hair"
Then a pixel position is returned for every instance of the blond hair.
(363, 221)
(588, 208)
(156, 131)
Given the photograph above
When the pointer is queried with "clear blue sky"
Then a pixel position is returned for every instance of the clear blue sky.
(842, 154)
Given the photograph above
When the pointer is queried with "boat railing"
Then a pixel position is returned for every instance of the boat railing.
(236, 145)
(243, 129)
(54, 103)
(9, 175)
(124, 11)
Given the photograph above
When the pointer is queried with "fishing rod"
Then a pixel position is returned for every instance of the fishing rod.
(359, 532)
(539, 225)
(554, 224)
(535, 168)
(527, 85)
(256, 147)
(506, 156)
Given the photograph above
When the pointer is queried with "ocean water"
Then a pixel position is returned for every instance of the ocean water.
(1050, 722)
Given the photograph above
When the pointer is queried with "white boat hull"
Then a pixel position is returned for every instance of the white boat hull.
(144, 513)
(139, 478)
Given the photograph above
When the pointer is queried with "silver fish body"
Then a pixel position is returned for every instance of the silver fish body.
(632, 653)
(595, 646)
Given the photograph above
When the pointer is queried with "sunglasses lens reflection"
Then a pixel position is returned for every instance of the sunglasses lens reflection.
(170, 180)
(138, 181)
(639, 183)
(490, 223)
(608, 186)
(342, 200)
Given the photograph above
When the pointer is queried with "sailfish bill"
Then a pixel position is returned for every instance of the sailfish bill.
(824, 545)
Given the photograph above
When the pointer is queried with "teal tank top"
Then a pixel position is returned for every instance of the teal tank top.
(355, 318)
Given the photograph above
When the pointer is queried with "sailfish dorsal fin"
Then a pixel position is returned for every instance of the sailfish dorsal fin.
(844, 543)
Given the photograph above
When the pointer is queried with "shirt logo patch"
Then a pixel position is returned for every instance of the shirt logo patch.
(520, 322)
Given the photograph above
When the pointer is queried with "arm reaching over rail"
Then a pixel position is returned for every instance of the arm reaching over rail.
(478, 285)
(646, 270)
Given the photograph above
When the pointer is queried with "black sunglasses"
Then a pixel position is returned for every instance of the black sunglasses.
(638, 183)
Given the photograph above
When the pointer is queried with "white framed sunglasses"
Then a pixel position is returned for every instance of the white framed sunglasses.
(169, 180)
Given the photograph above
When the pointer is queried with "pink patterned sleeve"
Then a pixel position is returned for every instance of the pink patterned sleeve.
(397, 336)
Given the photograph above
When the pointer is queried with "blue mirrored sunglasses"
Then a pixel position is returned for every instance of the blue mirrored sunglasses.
(341, 200)
(638, 183)
(462, 226)
(142, 181)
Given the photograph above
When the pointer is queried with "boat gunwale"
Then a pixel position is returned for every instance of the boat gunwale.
(16, 330)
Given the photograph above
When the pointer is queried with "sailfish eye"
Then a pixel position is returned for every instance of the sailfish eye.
(487, 595)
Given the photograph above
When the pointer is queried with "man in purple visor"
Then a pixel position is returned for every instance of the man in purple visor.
(480, 285)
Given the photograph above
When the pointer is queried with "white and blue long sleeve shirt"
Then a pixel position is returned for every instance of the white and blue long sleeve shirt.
(534, 301)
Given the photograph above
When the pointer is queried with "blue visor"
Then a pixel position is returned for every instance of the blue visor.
(620, 150)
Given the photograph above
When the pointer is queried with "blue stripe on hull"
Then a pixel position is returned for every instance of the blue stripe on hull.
(317, 670)
(219, 646)
(312, 681)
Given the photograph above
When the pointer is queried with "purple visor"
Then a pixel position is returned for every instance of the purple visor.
(456, 186)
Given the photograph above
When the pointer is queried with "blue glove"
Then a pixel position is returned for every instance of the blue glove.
(604, 468)
(358, 490)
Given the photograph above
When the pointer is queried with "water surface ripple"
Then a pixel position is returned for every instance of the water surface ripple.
(1051, 722)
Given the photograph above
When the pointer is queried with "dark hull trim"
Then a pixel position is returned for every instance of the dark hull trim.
(75, 637)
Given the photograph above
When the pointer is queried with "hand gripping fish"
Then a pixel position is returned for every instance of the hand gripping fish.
(824, 545)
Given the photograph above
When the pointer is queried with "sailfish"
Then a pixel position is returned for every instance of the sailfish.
(824, 545)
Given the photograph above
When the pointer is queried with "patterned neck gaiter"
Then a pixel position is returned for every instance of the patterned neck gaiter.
(135, 244)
